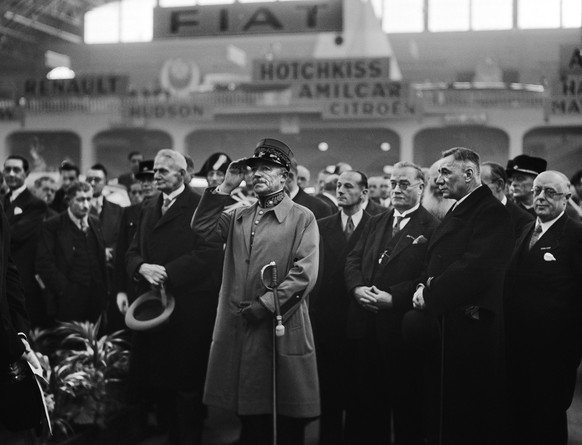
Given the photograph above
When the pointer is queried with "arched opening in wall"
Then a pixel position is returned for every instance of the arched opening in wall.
(368, 150)
(560, 146)
(492, 144)
(45, 150)
(113, 146)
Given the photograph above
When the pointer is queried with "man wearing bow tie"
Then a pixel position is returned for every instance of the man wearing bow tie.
(380, 276)
(168, 365)
(544, 316)
(462, 288)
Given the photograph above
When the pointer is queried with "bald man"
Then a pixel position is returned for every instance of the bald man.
(544, 316)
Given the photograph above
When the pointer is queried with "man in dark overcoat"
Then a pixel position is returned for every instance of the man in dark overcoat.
(328, 305)
(380, 275)
(70, 260)
(544, 317)
(169, 363)
(14, 324)
(494, 176)
(25, 213)
(462, 286)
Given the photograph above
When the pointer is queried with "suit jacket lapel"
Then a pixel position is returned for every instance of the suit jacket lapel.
(382, 235)
(173, 211)
(410, 232)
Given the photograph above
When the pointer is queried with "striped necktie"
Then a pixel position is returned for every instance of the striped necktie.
(535, 236)
(349, 230)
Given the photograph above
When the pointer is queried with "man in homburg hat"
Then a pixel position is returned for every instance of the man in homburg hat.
(275, 229)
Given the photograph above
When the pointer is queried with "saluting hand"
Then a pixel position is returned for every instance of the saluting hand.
(235, 174)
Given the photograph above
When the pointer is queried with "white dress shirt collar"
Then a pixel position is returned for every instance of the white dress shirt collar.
(356, 218)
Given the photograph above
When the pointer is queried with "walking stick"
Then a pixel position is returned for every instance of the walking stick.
(442, 383)
(278, 331)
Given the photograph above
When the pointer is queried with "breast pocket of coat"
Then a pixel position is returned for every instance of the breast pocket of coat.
(298, 338)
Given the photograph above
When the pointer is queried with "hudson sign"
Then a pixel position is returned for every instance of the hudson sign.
(249, 18)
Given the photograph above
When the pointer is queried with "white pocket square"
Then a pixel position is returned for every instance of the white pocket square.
(549, 257)
(17, 210)
(418, 240)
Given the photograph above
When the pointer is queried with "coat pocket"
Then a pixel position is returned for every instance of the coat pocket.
(298, 338)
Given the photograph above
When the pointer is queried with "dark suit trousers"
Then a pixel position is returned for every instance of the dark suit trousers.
(387, 391)
(81, 303)
(332, 363)
(542, 375)
(258, 430)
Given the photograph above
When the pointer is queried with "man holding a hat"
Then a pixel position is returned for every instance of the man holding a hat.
(240, 367)
(522, 171)
(168, 363)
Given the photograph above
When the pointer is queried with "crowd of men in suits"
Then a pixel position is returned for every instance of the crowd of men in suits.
(447, 307)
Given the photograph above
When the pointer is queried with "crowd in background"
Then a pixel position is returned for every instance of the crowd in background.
(448, 297)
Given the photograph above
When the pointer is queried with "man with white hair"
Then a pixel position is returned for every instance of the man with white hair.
(168, 366)
(544, 316)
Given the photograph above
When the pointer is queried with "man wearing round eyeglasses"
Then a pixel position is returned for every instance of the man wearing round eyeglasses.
(544, 316)
(381, 273)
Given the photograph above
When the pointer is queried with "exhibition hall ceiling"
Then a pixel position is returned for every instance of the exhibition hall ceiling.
(27, 27)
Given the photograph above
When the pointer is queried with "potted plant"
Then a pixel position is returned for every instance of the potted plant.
(86, 374)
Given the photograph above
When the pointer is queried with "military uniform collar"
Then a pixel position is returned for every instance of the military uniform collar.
(270, 201)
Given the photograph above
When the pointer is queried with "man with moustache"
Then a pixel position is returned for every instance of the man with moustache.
(71, 260)
(25, 213)
(462, 287)
(544, 317)
(241, 357)
(494, 176)
(169, 364)
(329, 304)
(380, 274)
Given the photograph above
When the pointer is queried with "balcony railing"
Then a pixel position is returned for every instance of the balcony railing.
(428, 98)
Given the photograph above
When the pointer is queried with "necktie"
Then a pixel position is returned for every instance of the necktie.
(535, 236)
(83, 225)
(396, 226)
(166, 205)
(349, 230)
(7, 201)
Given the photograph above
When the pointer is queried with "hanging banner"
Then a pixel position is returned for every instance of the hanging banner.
(248, 19)
(91, 85)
